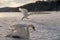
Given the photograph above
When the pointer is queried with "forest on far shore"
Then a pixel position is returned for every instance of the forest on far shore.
(37, 6)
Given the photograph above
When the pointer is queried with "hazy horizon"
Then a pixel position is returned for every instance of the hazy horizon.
(14, 3)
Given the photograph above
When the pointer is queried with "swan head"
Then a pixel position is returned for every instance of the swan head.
(32, 26)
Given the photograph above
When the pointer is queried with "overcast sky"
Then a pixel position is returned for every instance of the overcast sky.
(14, 3)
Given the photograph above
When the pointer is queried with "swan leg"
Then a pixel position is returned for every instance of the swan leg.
(25, 17)
(22, 18)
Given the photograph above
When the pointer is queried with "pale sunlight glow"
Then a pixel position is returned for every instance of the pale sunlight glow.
(14, 3)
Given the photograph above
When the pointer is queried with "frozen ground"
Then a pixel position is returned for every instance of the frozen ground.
(47, 26)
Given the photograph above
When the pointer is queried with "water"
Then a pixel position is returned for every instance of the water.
(47, 26)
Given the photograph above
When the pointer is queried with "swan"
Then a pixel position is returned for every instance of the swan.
(20, 30)
(25, 13)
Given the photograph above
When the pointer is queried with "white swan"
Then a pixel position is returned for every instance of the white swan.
(25, 12)
(21, 30)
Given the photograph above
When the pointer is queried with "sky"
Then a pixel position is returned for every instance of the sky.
(14, 3)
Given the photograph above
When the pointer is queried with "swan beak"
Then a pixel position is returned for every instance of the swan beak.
(32, 27)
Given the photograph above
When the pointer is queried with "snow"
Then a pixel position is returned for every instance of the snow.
(47, 25)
